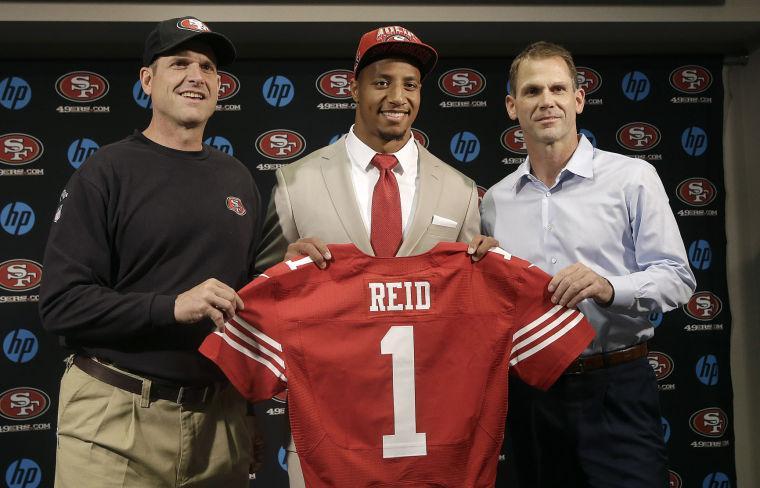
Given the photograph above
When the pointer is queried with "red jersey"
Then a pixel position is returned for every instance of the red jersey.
(396, 368)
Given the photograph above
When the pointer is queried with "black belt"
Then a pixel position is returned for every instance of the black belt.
(176, 394)
(607, 359)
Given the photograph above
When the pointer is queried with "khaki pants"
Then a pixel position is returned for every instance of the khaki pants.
(106, 439)
(295, 474)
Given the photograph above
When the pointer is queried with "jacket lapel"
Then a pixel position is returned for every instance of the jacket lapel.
(427, 196)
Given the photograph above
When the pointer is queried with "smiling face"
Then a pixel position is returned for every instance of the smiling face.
(183, 86)
(545, 102)
(387, 93)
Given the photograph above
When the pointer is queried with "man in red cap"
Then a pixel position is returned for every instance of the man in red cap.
(376, 187)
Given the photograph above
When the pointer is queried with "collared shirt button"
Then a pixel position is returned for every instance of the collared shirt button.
(550, 227)
(554, 260)
(548, 193)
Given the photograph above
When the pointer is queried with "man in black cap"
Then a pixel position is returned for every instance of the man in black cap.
(151, 239)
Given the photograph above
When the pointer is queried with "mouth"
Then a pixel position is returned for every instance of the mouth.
(192, 95)
(394, 115)
(548, 118)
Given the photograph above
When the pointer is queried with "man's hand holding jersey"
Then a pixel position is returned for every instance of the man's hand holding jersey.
(212, 299)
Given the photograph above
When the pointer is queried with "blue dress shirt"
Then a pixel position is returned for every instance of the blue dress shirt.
(609, 212)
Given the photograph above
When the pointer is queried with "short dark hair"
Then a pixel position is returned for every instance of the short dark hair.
(542, 50)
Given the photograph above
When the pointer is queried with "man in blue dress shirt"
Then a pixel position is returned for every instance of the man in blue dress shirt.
(600, 223)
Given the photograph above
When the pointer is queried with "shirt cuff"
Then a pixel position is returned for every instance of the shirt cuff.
(162, 310)
(624, 289)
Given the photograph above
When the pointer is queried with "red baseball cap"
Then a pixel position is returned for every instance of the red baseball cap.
(394, 40)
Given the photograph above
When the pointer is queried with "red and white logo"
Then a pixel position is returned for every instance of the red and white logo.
(709, 422)
(395, 33)
(280, 144)
(638, 136)
(703, 305)
(696, 192)
(462, 82)
(193, 25)
(335, 84)
(481, 193)
(513, 139)
(661, 363)
(421, 137)
(23, 403)
(82, 86)
(229, 85)
(20, 275)
(18, 149)
(236, 205)
(588, 79)
(690, 79)
(674, 480)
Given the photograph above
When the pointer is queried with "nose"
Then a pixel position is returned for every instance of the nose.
(546, 99)
(396, 94)
(194, 72)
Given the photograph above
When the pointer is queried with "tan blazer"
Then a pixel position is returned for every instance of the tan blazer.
(314, 197)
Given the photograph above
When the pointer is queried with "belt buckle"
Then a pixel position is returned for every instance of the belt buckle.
(577, 368)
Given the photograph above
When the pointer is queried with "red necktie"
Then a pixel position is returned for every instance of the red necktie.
(385, 233)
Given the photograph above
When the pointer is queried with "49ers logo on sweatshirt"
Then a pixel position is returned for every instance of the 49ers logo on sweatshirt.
(236, 205)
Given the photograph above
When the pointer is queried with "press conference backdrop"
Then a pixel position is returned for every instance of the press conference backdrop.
(667, 111)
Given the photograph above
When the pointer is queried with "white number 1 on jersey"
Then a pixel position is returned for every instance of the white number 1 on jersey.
(405, 441)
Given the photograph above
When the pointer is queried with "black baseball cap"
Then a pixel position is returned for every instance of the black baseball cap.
(169, 34)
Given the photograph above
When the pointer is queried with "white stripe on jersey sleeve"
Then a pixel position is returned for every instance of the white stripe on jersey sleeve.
(230, 328)
(256, 332)
(243, 350)
(545, 330)
(546, 342)
(527, 328)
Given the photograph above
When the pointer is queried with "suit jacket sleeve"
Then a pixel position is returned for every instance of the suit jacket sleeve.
(471, 225)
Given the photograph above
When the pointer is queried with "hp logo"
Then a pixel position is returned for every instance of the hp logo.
(23, 473)
(141, 98)
(665, 429)
(20, 346)
(15, 93)
(278, 91)
(707, 370)
(590, 136)
(716, 480)
(80, 150)
(694, 141)
(655, 318)
(17, 218)
(282, 458)
(465, 146)
(636, 86)
(220, 143)
(700, 254)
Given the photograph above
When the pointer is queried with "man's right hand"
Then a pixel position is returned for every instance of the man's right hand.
(212, 299)
(312, 247)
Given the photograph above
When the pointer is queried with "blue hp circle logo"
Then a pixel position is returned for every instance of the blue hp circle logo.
(278, 91)
(20, 346)
(590, 136)
(655, 318)
(17, 218)
(15, 93)
(665, 429)
(700, 254)
(282, 458)
(80, 150)
(23, 473)
(141, 98)
(220, 143)
(465, 146)
(636, 86)
(716, 480)
(694, 141)
(707, 370)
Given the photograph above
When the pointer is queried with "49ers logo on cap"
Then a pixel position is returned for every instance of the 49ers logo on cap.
(703, 305)
(661, 363)
(229, 85)
(638, 136)
(82, 86)
(280, 144)
(709, 422)
(17, 148)
(193, 25)
(462, 82)
(23, 403)
(421, 137)
(395, 33)
(674, 480)
(335, 84)
(696, 192)
(690, 79)
(236, 205)
(20, 275)
(588, 79)
(513, 140)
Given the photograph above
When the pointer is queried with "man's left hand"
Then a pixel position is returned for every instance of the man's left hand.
(576, 283)
(479, 246)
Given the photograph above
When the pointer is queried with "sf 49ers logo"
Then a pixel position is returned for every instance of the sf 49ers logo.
(638, 136)
(23, 403)
(481, 193)
(661, 363)
(193, 25)
(588, 79)
(421, 137)
(82, 86)
(696, 192)
(674, 480)
(229, 85)
(20, 275)
(18, 149)
(335, 84)
(703, 305)
(280, 144)
(513, 139)
(395, 33)
(236, 205)
(462, 82)
(709, 422)
(690, 79)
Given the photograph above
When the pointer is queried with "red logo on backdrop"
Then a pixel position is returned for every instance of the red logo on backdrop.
(236, 205)
(20, 275)
(481, 193)
(513, 140)
(23, 403)
(674, 480)
(709, 422)
(280, 144)
(703, 305)
(18, 149)
(462, 82)
(690, 79)
(696, 192)
(193, 25)
(588, 79)
(638, 136)
(335, 84)
(661, 363)
(229, 85)
(82, 86)
(421, 137)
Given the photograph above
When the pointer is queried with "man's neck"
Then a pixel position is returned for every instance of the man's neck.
(548, 160)
(180, 138)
